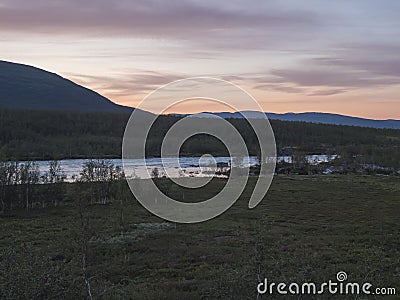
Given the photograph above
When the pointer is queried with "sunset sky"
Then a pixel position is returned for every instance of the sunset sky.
(292, 56)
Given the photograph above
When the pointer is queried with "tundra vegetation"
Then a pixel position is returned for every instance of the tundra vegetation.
(91, 239)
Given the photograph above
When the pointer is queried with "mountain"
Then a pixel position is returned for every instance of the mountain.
(335, 119)
(27, 87)
(311, 117)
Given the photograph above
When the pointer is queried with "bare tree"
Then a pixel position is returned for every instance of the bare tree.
(54, 178)
(28, 176)
(101, 174)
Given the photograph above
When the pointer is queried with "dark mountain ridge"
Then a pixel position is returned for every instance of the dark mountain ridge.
(31, 88)
(27, 87)
(310, 117)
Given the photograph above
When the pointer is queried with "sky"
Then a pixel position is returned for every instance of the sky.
(291, 56)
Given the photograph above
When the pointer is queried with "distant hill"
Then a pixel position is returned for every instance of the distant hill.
(335, 119)
(313, 117)
(27, 87)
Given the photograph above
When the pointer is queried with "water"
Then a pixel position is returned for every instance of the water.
(187, 166)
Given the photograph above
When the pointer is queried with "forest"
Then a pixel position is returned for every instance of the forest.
(47, 135)
(91, 239)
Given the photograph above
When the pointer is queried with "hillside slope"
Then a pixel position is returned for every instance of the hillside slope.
(27, 87)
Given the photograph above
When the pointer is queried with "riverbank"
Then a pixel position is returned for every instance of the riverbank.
(307, 228)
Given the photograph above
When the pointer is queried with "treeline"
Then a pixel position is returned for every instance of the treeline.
(23, 186)
(30, 135)
(19, 183)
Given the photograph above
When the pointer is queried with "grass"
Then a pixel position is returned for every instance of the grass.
(306, 229)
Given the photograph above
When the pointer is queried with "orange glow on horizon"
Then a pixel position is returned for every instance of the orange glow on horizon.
(349, 106)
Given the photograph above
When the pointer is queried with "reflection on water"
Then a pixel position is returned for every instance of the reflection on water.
(184, 166)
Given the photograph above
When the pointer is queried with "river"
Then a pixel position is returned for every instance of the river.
(188, 166)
